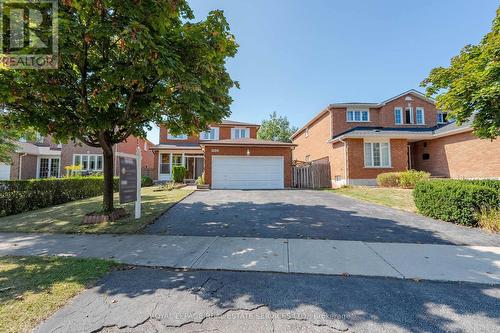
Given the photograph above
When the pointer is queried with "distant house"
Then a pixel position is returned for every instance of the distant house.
(362, 140)
(229, 156)
(44, 158)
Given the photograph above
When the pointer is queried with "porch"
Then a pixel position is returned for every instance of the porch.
(194, 162)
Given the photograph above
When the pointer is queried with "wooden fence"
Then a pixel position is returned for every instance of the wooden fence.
(313, 175)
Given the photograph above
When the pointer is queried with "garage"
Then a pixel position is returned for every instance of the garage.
(4, 171)
(248, 172)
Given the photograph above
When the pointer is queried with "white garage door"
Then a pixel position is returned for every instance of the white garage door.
(247, 172)
(4, 171)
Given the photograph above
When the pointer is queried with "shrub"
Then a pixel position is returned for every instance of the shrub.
(490, 219)
(454, 200)
(388, 179)
(201, 180)
(25, 195)
(179, 173)
(146, 181)
(410, 178)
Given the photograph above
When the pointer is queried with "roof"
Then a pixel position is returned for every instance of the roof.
(404, 132)
(364, 104)
(237, 123)
(245, 142)
(179, 146)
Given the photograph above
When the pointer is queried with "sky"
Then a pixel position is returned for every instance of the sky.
(296, 57)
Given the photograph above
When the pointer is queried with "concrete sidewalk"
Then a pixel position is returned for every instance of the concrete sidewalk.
(478, 264)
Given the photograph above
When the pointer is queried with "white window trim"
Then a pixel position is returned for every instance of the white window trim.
(440, 113)
(50, 158)
(88, 161)
(400, 109)
(416, 115)
(360, 115)
(216, 136)
(247, 131)
(412, 116)
(177, 137)
(389, 152)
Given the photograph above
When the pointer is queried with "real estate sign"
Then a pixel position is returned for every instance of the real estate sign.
(128, 180)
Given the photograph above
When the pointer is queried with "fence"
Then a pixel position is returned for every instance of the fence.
(314, 174)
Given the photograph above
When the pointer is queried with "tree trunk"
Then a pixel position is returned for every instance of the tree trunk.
(108, 171)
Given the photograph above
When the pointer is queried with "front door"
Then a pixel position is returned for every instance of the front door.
(194, 166)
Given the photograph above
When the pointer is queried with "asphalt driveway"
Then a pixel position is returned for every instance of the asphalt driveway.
(307, 214)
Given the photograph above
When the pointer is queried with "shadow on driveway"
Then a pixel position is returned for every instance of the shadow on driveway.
(307, 214)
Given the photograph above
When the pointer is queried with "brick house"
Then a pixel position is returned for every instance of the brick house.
(362, 140)
(43, 158)
(229, 155)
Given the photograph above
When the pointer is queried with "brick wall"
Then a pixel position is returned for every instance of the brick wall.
(357, 170)
(459, 156)
(315, 144)
(286, 152)
(28, 167)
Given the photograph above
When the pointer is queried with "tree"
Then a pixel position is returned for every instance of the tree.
(8, 138)
(122, 66)
(276, 128)
(470, 87)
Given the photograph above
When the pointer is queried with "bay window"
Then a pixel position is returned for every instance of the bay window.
(377, 154)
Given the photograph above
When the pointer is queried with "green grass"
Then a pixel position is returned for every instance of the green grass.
(68, 217)
(392, 197)
(33, 288)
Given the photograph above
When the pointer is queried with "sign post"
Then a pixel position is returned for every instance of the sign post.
(130, 180)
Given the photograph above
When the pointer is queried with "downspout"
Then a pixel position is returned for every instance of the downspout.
(20, 165)
(346, 161)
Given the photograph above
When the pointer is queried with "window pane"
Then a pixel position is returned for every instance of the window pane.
(54, 167)
(368, 154)
(420, 116)
(397, 116)
(85, 162)
(99, 162)
(78, 160)
(376, 154)
(350, 117)
(357, 116)
(365, 116)
(92, 162)
(385, 154)
(408, 116)
(176, 159)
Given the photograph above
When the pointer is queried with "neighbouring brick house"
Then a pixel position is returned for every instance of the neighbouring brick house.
(362, 140)
(44, 158)
(229, 155)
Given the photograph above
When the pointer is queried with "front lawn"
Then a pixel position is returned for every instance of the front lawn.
(68, 217)
(392, 197)
(33, 288)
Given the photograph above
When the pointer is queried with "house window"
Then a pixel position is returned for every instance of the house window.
(442, 117)
(240, 133)
(177, 137)
(358, 116)
(176, 160)
(212, 134)
(420, 116)
(408, 115)
(398, 116)
(88, 162)
(377, 154)
(165, 164)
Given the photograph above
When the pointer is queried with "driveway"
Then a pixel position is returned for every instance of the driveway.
(307, 214)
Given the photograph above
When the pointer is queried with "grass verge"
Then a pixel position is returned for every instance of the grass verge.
(68, 217)
(391, 197)
(33, 288)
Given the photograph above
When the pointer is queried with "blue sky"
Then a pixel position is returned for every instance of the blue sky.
(296, 57)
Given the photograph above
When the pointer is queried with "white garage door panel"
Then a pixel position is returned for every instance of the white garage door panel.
(247, 172)
(4, 171)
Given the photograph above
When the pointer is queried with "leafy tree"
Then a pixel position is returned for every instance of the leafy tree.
(276, 128)
(122, 66)
(471, 85)
(8, 137)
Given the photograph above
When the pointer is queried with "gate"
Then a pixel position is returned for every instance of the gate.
(313, 175)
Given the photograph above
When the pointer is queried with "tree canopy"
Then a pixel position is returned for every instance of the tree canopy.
(122, 66)
(470, 86)
(276, 128)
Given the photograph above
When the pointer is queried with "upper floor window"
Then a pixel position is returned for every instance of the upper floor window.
(177, 137)
(240, 133)
(377, 154)
(420, 116)
(408, 115)
(442, 117)
(398, 116)
(358, 116)
(212, 134)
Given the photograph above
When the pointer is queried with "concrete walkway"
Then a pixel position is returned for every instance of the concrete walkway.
(480, 264)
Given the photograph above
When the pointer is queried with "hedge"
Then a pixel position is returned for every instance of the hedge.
(404, 179)
(458, 201)
(25, 195)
